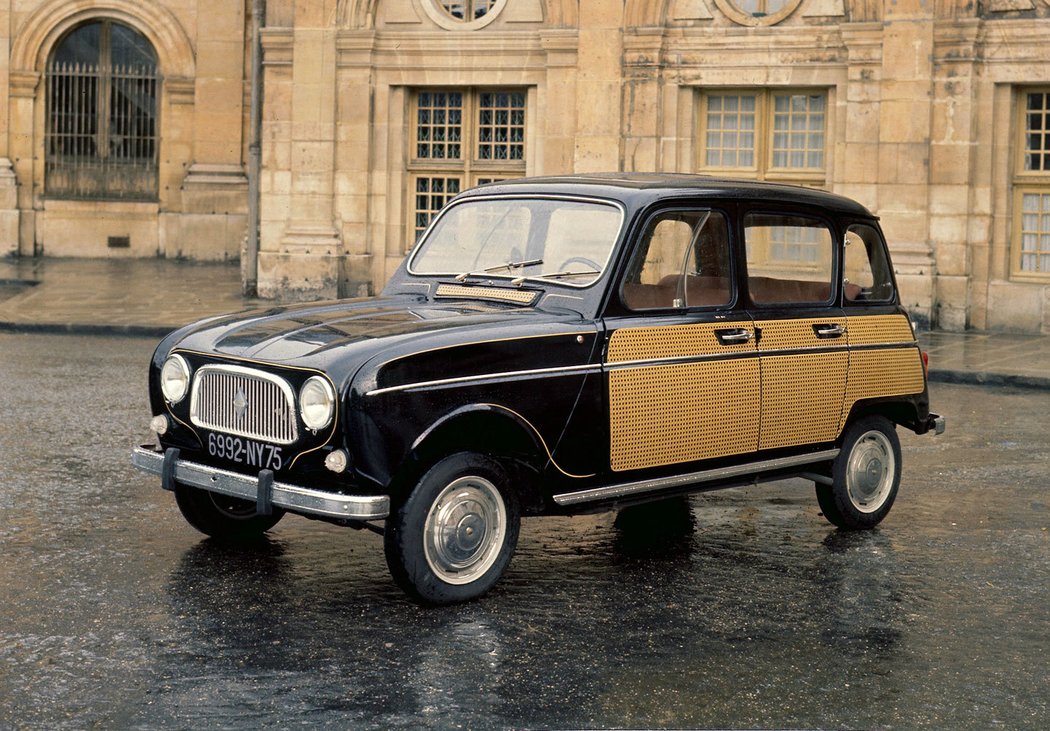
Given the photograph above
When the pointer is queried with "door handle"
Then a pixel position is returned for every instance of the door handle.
(829, 331)
(731, 337)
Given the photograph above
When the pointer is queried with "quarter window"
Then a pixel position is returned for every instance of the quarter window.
(866, 269)
(1030, 253)
(101, 133)
(772, 134)
(462, 138)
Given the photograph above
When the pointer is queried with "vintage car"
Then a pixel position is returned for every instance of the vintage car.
(553, 346)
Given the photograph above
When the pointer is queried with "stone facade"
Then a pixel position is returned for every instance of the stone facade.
(199, 205)
(921, 109)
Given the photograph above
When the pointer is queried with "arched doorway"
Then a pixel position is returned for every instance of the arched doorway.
(101, 134)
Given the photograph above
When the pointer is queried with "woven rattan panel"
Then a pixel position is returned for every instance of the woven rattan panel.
(880, 373)
(791, 334)
(872, 330)
(489, 293)
(673, 341)
(802, 398)
(678, 413)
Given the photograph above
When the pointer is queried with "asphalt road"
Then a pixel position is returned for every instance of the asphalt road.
(741, 608)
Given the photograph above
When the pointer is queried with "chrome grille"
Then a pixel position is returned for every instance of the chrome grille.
(244, 402)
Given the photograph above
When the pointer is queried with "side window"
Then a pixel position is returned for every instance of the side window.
(866, 270)
(789, 259)
(682, 261)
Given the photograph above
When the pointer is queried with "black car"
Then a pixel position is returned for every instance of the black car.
(552, 346)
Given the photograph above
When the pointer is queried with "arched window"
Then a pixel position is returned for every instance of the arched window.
(101, 139)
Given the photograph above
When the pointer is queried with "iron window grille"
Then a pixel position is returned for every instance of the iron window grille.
(101, 136)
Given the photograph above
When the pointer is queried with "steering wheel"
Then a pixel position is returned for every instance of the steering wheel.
(589, 263)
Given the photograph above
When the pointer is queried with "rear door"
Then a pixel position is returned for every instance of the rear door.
(800, 330)
(680, 363)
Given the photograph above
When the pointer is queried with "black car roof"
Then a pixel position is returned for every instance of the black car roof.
(640, 188)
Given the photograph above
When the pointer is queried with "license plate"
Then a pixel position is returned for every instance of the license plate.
(245, 451)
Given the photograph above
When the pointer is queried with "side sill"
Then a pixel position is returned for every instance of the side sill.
(627, 489)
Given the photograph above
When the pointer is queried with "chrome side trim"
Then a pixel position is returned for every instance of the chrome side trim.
(292, 497)
(666, 483)
(507, 375)
(617, 365)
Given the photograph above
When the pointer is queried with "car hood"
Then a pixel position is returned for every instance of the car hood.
(334, 334)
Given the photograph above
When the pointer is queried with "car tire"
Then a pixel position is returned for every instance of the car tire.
(865, 475)
(221, 517)
(453, 536)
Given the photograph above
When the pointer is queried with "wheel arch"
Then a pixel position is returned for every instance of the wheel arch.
(487, 429)
(902, 412)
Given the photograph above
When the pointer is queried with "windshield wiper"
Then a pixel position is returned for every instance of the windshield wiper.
(500, 268)
(557, 275)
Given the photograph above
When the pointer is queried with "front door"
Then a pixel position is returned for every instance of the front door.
(800, 332)
(681, 364)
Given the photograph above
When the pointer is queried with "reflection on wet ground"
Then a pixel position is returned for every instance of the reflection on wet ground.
(736, 608)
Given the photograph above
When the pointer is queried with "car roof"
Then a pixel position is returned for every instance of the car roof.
(642, 188)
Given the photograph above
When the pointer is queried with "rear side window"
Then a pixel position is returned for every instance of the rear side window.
(682, 261)
(866, 269)
(790, 259)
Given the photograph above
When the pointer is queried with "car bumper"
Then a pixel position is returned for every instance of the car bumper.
(261, 490)
(935, 423)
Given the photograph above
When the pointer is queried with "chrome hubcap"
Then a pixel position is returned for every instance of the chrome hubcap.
(464, 530)
(870, 472)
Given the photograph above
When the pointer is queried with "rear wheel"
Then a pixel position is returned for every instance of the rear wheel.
(221, 517)
(454, 535)
(865, 475)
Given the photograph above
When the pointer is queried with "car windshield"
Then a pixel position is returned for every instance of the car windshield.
(568, 241)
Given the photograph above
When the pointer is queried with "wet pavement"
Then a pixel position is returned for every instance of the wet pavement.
(742, 609)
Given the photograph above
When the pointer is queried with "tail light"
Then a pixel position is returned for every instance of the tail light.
(925, 363)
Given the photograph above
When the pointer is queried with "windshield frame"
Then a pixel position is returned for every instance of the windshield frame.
(512, 276)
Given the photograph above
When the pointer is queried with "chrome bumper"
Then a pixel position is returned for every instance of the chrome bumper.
(290, 497)
(936, 424)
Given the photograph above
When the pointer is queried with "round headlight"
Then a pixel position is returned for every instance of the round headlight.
(175, 378)
(317, 403)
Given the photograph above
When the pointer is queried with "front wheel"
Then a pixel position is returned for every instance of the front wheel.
(865, 475)
(221, 517)
(452, 538)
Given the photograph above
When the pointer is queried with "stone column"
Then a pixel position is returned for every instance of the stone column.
(556, 130)
(22, 152)
(960, 210)
(214, 193)
(9, 217)
(307, 263)
(354, 142)
(857, 153)
(904, 149)
(599, 84)
(642, 99)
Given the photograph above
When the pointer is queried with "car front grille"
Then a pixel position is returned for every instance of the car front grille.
(244, 402)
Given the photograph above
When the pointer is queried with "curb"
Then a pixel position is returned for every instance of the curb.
(141, 331)
(995, 380)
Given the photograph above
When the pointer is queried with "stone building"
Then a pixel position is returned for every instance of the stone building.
(125, 126)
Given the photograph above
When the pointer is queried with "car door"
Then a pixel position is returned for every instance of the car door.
(680, 361)
(800, 331)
